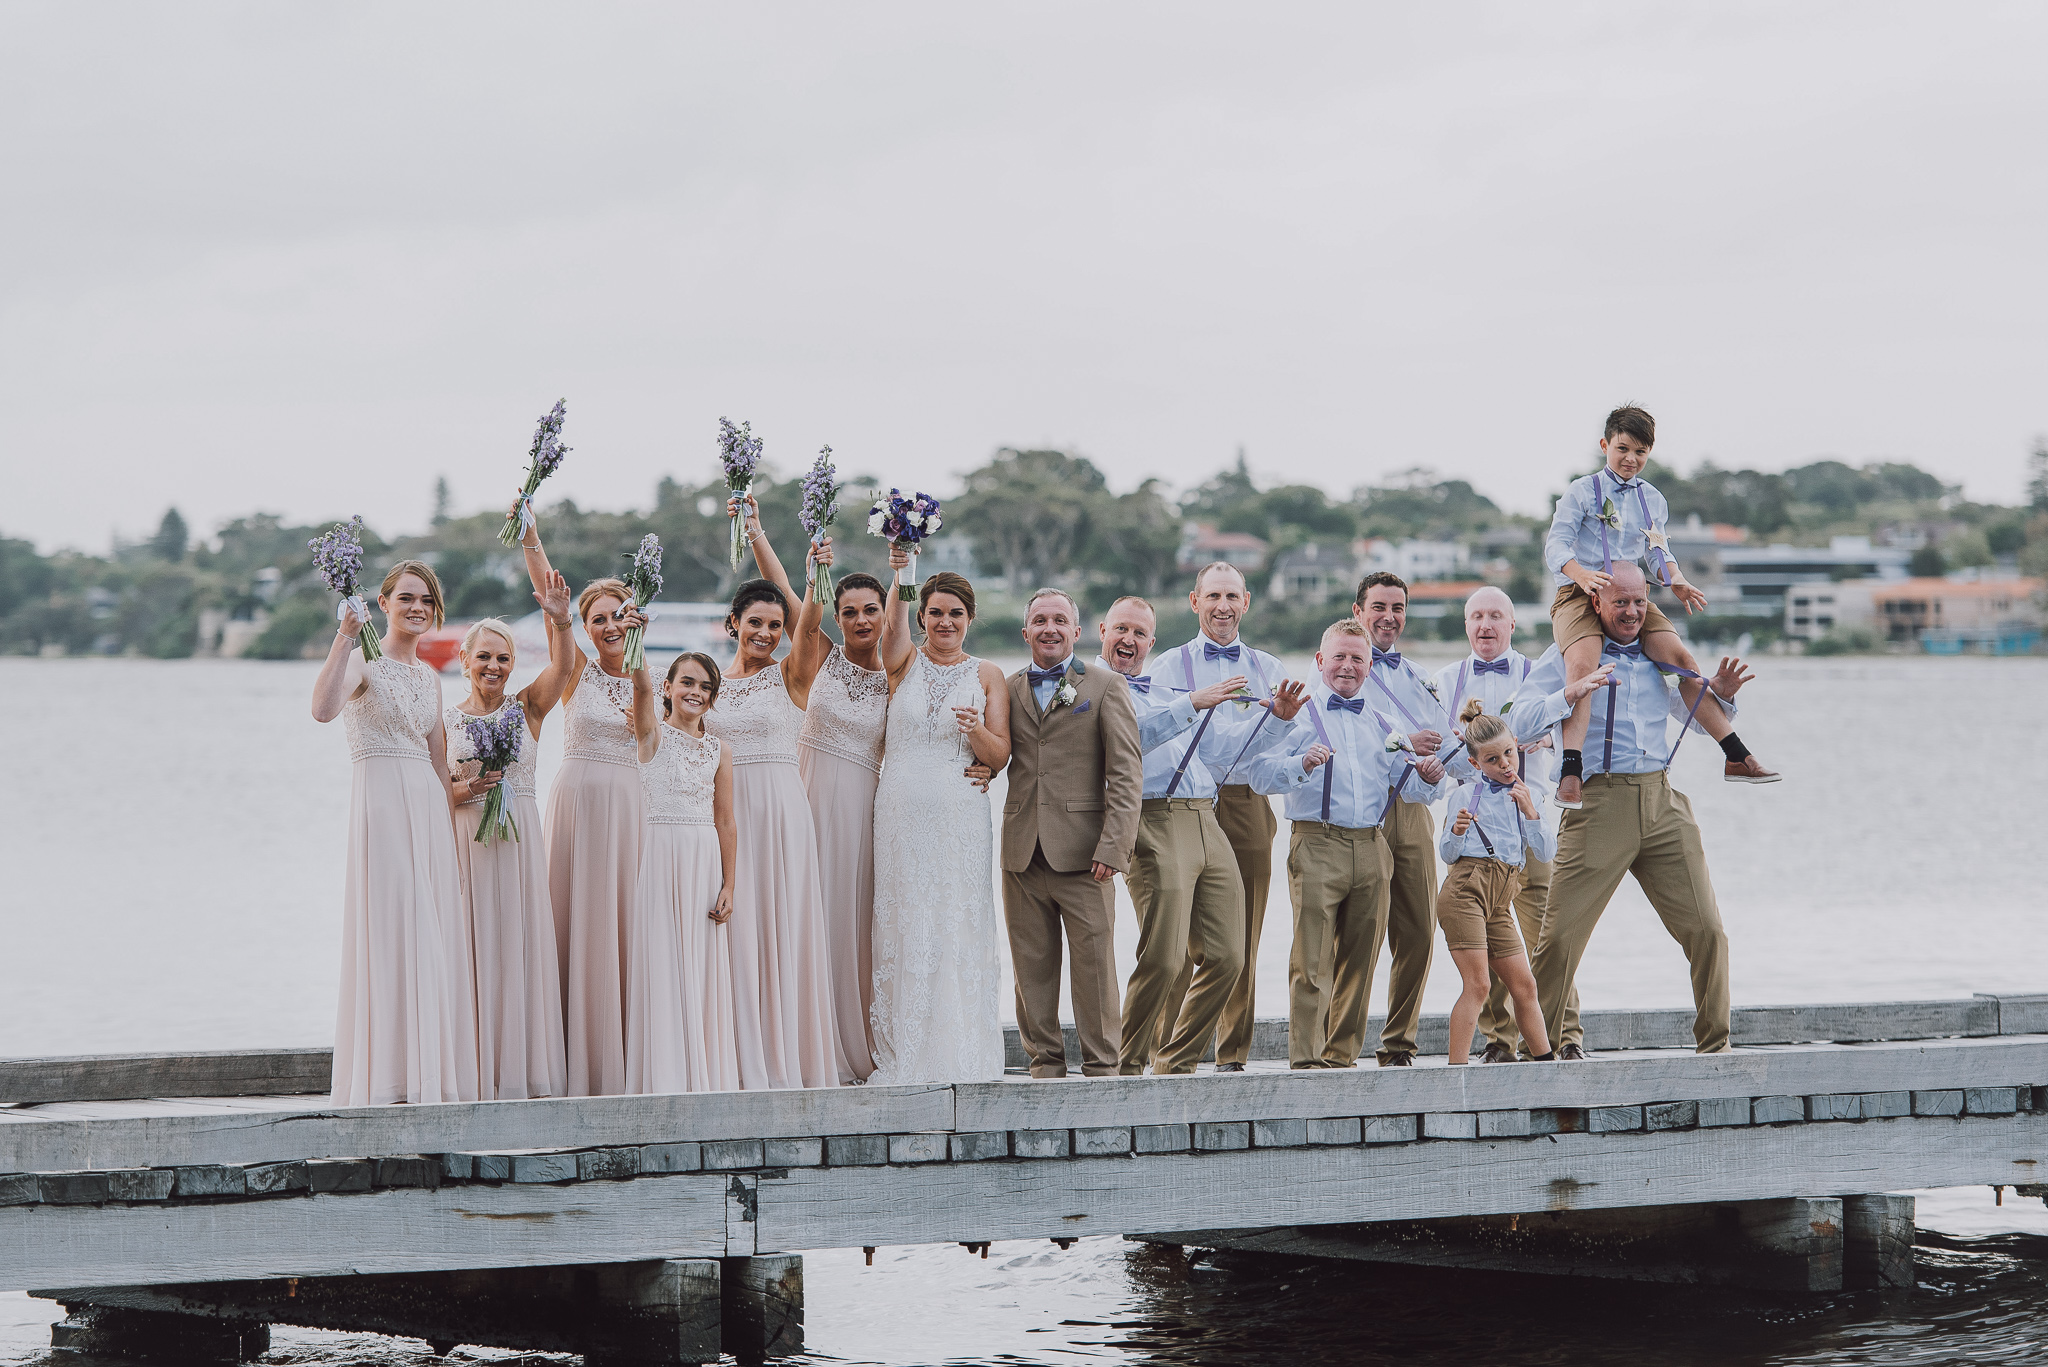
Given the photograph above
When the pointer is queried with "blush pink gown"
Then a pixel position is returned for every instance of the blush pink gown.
(518, 972)
(679, 1031)
(781, 985)
(406, 1026)
(840, 759)
(595, 820)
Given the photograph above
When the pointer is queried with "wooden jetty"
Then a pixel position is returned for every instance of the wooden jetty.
(180, 1204)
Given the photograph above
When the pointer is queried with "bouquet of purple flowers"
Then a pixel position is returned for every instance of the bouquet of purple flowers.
(495, 742)
(820, 505)
(339, 557)
(543, 460)
(643, 581)
(739, 451)
(907, 521)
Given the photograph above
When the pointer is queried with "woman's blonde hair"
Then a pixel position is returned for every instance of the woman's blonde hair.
(492, 624)
(425, 573)
(1481, 726)
(601, 588)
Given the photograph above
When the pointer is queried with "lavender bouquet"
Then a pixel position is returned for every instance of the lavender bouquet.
(643, 581)
(739, 451)
(820, 505)
(339, 557)
(543, 460)
(906, 521)
(495, 742)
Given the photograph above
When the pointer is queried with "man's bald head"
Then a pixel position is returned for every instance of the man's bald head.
(1489, 623)
(1624, 603)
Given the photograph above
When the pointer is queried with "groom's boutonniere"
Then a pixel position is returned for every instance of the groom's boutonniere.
(1065, 693)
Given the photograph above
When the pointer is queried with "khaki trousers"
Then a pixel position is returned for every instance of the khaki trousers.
(1184, 884)
(1635, 824)
(1247, 822)
(1038, 904)
(1411, 929)
(1497, 1017)
(1338, 880)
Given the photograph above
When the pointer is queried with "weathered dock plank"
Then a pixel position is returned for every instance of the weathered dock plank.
(115, 1077)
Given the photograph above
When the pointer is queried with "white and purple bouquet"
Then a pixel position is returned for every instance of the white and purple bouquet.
(543, 460)
(739, 452)
(643, 581)
(820, 505)
(339, 557)
(905, 520)
(495, 742)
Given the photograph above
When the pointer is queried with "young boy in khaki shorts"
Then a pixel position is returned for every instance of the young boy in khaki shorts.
(1615, 515)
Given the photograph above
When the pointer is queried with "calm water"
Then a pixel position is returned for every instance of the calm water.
(172, 836)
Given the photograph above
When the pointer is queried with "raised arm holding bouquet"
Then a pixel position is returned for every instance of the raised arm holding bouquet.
(338, 556)
(820, 505)
(906, 520)
(543, 460)
(739, 453)
(643, 581)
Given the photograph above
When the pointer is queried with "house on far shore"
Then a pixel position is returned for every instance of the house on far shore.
(1201, 544)
(1941, 616)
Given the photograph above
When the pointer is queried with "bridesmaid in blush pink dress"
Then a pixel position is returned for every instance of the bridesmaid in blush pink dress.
(781, 980)
(518, 972)
(596, 816)
(679, 1019)
(406, 1027)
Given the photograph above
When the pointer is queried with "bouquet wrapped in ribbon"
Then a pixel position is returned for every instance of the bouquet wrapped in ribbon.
(905, 520)
(739, 452)
(543, 460)
(496, 742)
(339, 557)
(820, 505)
(643, 581)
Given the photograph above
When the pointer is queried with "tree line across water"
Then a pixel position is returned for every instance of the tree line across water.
(1033, 517)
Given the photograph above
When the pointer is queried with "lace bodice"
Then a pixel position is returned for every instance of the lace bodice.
(681, 778)
(395, 714)
(598, 722)
(521, 776)
(755, 716)
(921, 721)
(848, 711)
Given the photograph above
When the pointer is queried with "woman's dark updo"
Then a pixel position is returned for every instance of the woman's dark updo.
(945, 581)
(697, 657)
(858, 580)
(752, 592)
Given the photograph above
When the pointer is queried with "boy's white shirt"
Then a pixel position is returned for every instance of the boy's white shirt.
(1575, 525)
(1527, 838)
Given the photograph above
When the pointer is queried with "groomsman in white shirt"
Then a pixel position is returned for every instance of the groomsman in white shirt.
(1221, 601)
(1407, 699)
(1337, 778)
(1183, 875)
(1492, 673)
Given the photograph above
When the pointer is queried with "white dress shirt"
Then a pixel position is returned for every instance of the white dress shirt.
(1575, 527)
(1463, 680)
(1168, 725)
(1410, 702)
(1497, 819)
(1189, 667)
(1643, 700)
(1355, 780)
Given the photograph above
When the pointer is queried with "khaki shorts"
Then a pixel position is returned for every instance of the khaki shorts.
(1475, 907)
(1572, 617)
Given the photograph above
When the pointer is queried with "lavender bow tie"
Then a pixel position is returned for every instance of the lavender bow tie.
(1352, 705)
(1140, 682)
(1212, 651)
(1634, 650)
(1039, 676)
(1499, 666)
(1390, 658)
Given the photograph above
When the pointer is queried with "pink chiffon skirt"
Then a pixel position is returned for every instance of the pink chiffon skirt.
(518, 971)
(595, 817)
(406, 1026)
(842, 798)
(781, 985)
(679, 1031)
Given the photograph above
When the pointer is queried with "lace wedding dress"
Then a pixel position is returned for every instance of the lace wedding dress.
(938, 968)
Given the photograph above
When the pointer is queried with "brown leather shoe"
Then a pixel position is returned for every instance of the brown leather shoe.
(1570, 1053)
(1399, 1058)
(1568, 795)
(1496, 1052)
(1749, 769)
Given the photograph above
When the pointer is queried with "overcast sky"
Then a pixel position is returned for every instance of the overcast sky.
(304, 258)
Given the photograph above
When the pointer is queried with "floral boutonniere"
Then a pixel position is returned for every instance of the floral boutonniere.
(1396, 742)
(1610, 514)
(1064, 693)
(1434, 691)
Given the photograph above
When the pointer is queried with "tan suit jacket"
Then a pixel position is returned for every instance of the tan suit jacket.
(1076, 775)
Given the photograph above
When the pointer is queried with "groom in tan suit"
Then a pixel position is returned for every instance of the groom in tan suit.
(1076, 776)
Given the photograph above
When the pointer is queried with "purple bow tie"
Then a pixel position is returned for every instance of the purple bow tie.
(1141, 682)
(1212, 651)
(1039, 676)
(1391, 658)
(1499, 666)
(1633, 650)
(1353, 705)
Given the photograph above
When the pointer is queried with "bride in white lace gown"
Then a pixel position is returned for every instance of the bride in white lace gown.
(938, 963)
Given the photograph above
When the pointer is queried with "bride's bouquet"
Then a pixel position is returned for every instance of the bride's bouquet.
(906, 521)
(543, 460)
(643, 581)
(739, 452)
(339, 557)
(496, 741)
(820, 505)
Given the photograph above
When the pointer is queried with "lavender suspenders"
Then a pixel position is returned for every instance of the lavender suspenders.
(1614, 692)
